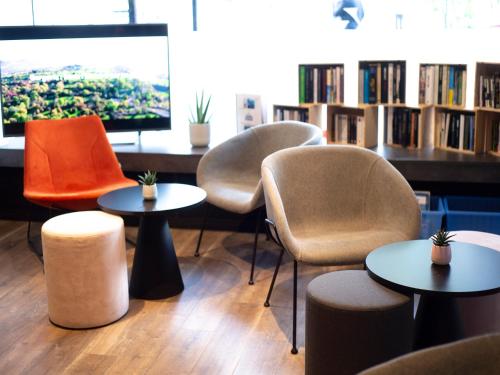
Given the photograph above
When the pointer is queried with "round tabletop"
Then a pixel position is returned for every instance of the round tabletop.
(171, 197)
(407, 266)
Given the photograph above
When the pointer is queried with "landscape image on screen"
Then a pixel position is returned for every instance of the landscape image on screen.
(115, 78)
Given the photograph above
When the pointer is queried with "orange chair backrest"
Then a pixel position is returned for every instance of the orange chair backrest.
(68, 155)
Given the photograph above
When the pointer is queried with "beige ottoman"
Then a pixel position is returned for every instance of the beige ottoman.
(85, 269)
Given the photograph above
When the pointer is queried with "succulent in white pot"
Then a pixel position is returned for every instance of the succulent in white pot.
(441, 248)
(199, 127)
(148, 182)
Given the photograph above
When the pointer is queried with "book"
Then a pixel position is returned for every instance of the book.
(383, 95)
(302, 84)
(390, 85)
(372, 84)
(390, 113)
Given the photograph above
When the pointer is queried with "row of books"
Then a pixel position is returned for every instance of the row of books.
(489, 91)
(348, 129)
(442, 84)
(382, 82)
(402, 126)
(295, 114)
(321, 84)
(456, 130)
(495, 139)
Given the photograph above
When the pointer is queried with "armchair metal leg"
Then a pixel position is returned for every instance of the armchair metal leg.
(197, 251)
(276, 270)
(256, 238)
(294, 327)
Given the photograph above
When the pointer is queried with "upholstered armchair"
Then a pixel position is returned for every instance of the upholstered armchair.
(230, 172)
(332, 205)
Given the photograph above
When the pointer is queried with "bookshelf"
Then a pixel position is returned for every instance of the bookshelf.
(310, 113)
(489, 120)
(403, 126)
(321, 83)
(487, 86)
(459, 130)
(382, 82)
(442, 84)
(352, 125)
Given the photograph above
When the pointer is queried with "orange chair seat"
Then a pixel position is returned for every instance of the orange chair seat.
(76, 200)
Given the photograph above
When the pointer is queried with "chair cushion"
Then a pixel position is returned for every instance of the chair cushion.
(353, 290)
(234, 196)
(320, 245)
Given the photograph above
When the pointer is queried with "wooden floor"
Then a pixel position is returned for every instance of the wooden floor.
(218, 325)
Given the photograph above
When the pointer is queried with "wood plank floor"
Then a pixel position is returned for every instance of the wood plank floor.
(218, 325)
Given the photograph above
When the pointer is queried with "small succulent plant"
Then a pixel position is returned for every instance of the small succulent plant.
(148, 178)
(442, 238)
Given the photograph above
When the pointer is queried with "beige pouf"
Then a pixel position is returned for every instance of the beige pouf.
(85, 269)
(353, 323)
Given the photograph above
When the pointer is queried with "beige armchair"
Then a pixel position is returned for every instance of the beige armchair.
(332, 205)
(230, 172)
(479, 355)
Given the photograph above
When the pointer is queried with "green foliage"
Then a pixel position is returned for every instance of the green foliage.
(442, 238)
(112, 98)
(148, 178)
(200, 116)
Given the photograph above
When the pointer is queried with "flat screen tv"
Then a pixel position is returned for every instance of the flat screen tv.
(119, 72)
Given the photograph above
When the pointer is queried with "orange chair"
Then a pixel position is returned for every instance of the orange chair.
(69, 163)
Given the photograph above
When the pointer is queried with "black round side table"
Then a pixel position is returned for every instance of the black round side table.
(406, 266)
(155, 271)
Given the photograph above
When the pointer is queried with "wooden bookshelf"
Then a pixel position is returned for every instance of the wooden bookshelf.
(321, 83)
(382, 82)
(443, 84)
(403, 126)
(459, 130)
(352, 125)
(487, 86)
(310, 113)
(490, 121)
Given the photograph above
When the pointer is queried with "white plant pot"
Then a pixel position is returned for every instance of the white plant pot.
(441, 254)
(199, 134)
(149, 192)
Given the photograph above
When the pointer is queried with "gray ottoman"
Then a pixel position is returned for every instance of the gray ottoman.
(353, 323)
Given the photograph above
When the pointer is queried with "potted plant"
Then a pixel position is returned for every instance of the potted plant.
(148, 181)
(441, 249)
(199, 127)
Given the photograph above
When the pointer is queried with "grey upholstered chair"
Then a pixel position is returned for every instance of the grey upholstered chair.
(230, 172)
(478, 355)
(332, 205)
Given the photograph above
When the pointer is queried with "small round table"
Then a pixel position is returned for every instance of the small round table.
(406, 266)
(155, 271)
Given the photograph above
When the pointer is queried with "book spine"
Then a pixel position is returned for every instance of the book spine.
(421, 85)
(461, 132)
(383, 98)
(435, 85)
(315, 85)
(329, 86)
(379, 83)
(440, 85)
(302, 84)
(451, 85)
(390, 84)
(366, 86)
(372, 94)
(361, 89)
(390, 114)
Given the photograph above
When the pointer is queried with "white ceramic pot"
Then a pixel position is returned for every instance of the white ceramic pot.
(149, 192)
(199, 134)
(441, 254)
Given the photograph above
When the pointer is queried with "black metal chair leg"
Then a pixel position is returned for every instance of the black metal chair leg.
(276, 270)
(294, 327)
(197, 251)
(254, 254)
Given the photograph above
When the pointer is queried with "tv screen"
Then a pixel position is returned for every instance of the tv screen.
(119, 72)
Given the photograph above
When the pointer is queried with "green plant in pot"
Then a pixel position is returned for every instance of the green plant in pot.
(148, 182)
(441, 248)
(199, 127)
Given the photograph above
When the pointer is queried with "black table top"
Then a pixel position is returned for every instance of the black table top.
(407, 266)
(171, 197)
